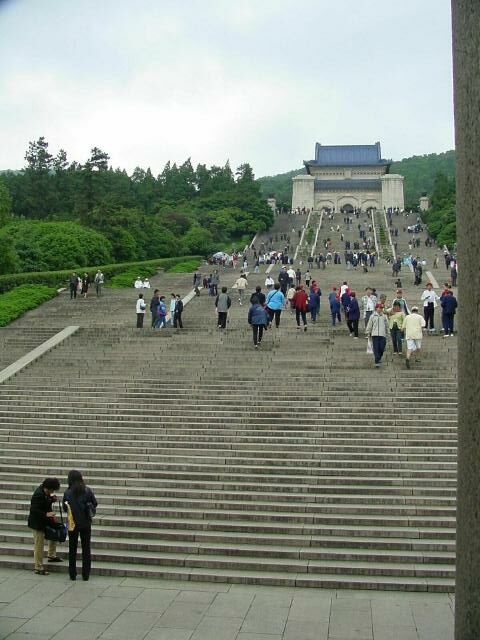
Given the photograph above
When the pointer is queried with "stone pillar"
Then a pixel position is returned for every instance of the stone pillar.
(424, 203)
(466, 63)
(392, 191)
(303, 192)
(272, 203)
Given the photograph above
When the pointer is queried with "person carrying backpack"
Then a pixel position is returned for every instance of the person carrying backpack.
(161, 320)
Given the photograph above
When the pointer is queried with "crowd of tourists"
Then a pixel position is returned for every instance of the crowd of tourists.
(161, 314)
(382, 317)
(81, 284)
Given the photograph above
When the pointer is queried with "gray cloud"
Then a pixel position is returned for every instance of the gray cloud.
(253, 81)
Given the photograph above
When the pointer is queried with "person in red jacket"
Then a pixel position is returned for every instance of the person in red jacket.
(299, 301)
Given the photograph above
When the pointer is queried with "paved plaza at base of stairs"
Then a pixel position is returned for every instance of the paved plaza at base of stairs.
(115, 608)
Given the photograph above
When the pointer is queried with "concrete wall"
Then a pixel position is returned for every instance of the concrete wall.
(303, 192)
(392, 191)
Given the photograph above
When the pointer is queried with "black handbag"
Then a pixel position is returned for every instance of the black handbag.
(57, 531)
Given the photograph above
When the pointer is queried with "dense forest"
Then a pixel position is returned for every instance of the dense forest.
(57, 214)
(419, 172)
(441, 218)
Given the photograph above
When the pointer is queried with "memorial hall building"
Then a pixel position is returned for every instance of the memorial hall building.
(348, 177)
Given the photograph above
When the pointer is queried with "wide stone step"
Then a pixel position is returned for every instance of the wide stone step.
(272, 467)
(325, 581)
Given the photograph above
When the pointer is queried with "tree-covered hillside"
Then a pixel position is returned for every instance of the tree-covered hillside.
(102, 214)
(441, 217)
(279, 186)
(419, 172)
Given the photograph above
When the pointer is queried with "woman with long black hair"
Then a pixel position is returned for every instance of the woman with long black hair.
(82, 503)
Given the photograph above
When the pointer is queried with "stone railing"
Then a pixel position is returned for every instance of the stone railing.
(383, 241)
(300, 244)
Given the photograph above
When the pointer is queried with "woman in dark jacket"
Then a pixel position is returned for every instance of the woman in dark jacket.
(258, 319)
(41, 515)
(83, 504)
(353, 314)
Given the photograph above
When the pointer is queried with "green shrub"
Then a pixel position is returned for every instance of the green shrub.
(185, 267)
(18, 301)
(126, 279)
(42, 246)
(59, 278)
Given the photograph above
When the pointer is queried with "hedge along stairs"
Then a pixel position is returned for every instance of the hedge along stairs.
(60, 278)
(299, 464)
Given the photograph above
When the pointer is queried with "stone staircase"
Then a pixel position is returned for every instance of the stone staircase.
(297, 464)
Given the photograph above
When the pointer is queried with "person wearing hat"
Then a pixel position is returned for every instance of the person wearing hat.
(412, 326)
(395, 321)
(401, 300)
(377, 330)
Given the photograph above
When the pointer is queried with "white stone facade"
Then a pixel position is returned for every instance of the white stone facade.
(352, 176)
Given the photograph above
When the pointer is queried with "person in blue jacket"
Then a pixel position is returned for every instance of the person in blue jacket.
(345, 300)
(161, 320)
(314, 301)
(258, 320)
(334, 306)
(353, 314)
(449, 306)
(275, 303)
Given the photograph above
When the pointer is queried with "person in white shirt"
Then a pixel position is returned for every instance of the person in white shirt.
(368, 304)
(141, 306)
(430, 300)
(240, 285)
(146, 283)
(291, 276)
(173, 304)
(412, 326)
(343, 288)
(269, 282)
(138, 284)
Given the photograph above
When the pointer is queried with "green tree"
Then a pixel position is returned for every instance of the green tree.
(198, 240)
(40, 199)
(8, 255)
(5, 204)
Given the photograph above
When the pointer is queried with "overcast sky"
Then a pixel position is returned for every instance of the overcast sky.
(256, 81)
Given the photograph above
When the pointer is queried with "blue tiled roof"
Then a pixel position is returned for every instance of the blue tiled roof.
(347, 185)
(352, 155)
